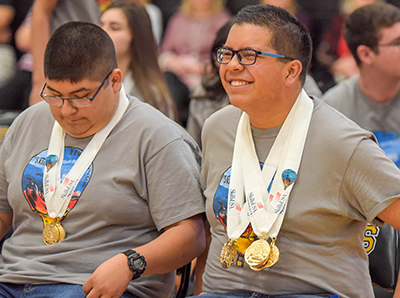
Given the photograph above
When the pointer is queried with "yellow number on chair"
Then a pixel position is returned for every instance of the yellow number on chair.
(370, 235)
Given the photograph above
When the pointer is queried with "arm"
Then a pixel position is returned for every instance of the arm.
(42, 11)
(6, 17)
(162, 255)
(201, 262)
(5, 223)
(23, 36)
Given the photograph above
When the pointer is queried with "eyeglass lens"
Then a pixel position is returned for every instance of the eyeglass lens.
(245, 57)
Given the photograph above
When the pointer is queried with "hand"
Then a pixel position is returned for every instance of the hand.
(110, 279)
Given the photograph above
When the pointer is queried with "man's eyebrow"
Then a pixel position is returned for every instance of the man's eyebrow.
(75, 91)
(245, 48)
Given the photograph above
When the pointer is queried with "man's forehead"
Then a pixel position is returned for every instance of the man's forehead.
(248, 35)
(390, 33)
(67, 86)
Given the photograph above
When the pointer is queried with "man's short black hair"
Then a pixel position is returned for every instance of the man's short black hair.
(77, 51)
(289, 37)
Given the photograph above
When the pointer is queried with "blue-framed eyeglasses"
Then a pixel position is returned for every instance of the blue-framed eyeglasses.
(245, 56)
(76, 102)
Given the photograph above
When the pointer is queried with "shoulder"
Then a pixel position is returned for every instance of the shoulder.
(224, 117)
(221, 124)
(35, 116)
(311, 87)
(332, 129)
(31, 125)
(145, 124)
(153, 9)
(342, 92)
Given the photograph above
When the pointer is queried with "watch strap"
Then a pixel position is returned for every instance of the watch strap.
(132, 257)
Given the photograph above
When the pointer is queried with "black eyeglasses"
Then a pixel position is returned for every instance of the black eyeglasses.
(245, 56)
(76, 102)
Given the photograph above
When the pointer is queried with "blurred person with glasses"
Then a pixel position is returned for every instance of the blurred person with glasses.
(290, 183)
(372, 97)
(86, 183)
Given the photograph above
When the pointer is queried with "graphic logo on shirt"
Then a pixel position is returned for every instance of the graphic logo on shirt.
(389, 141)
(32, 181)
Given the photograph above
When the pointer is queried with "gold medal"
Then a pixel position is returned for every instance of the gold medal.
(53, 233)
(257, 253)
(258, 268)
(274, 255)
(228, 254)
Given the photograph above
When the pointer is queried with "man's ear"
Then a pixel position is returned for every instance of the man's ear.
(365, 54)
(293, 70)
(116, 80)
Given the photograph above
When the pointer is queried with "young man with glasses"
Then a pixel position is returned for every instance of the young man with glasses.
(290, 183)
(372, 98)
(101, 190)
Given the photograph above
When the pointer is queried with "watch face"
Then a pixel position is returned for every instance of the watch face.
(138, 264)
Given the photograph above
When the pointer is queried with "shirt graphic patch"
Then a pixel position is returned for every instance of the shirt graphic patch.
(32, 181)
(389, 141)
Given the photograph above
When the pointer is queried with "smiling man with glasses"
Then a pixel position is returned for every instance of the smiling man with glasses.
(290, 183)
(102, 191)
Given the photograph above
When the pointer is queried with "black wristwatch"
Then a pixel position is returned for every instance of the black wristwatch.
(136, 263)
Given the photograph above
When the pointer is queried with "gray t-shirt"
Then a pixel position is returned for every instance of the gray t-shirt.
(75, 10)
(145, 177)
(344, 181)
(382, 119)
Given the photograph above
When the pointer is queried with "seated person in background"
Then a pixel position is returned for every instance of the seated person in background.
(129, 27)
(186, 45)
(7, 54)
(210, 96)
(15, 94)
(156, 18)
(47, 15)
(292, 7)
(98, 187)
(290, 183)
(332, 53)
(372, 98)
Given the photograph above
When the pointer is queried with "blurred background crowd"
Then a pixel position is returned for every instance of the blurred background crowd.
(170, 66)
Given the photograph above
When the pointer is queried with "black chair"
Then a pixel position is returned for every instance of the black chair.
(6, 118)
(185, 278)
(382, 246)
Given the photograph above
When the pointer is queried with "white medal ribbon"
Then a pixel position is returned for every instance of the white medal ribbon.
(58, 193)
(266, 210)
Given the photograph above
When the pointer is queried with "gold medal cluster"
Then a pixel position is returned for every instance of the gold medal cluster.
(53, 233)
(259, 255)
